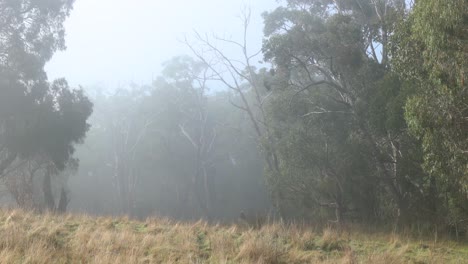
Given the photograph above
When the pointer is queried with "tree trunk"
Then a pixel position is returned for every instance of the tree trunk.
(389, 180)
(339, 206)
(403, 214)
(47, 189)
(63, 202)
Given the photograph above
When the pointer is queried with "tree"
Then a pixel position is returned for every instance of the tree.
(250, 87)
(191, 77)
(182, 99)
(431, 55)
(38, 119)
(181, 149)
(327, 59)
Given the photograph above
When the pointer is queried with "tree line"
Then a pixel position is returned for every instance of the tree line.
(356, 113)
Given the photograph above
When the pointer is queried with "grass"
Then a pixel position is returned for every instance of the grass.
(32, 238)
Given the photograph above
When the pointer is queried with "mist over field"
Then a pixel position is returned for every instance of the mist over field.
(293, 131)
(114, 47)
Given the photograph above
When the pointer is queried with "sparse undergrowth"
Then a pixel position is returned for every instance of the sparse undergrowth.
(31, 238)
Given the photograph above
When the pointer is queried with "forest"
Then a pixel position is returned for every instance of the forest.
(352, 112)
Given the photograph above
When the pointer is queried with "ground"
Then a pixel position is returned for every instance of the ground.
(47, 238)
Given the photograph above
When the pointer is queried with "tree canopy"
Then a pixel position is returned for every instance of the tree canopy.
(37, 117)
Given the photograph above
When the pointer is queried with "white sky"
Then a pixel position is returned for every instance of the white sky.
(111, 43)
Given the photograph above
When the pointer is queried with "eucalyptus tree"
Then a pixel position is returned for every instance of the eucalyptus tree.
(331, 60)
(181, 95)
(126, 125)
(37, 117)
(430, 53)
(202, 143)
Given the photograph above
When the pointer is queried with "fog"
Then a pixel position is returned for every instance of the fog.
(111, 43)
(323, 111)
(114, 45)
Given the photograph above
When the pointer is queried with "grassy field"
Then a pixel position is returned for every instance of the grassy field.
(32, 238)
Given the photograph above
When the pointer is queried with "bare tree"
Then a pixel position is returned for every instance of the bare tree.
(240, 77)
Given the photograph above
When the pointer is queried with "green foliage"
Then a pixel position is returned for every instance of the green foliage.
(432, 57)
(342, 115)
(39, 120)
(37, 116)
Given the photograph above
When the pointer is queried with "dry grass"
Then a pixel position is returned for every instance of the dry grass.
(31, 238)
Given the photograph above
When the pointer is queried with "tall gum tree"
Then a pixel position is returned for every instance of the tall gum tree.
(37, 117)
(340, 49)
(432, 56)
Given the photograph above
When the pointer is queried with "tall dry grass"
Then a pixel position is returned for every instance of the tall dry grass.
(32, 238)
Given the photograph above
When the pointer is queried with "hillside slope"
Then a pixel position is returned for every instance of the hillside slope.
(32, 238)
